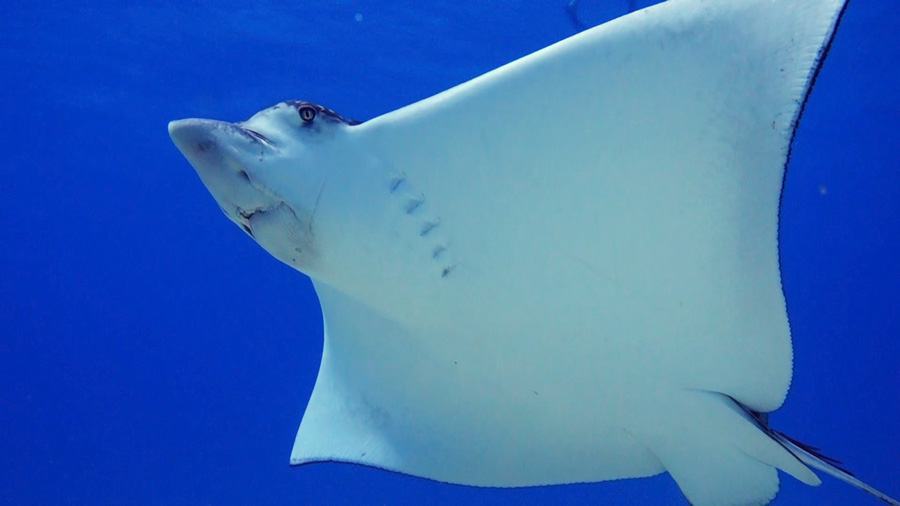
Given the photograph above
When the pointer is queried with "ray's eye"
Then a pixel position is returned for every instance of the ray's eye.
(307, 113)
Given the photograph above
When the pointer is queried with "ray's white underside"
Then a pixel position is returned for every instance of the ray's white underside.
(565, 270)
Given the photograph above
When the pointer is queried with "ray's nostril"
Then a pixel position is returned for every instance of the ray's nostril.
(244, 175)
(257, 135)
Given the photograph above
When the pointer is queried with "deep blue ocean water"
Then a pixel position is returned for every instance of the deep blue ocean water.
(152, 354)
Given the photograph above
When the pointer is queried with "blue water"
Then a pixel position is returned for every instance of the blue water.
(152, 354)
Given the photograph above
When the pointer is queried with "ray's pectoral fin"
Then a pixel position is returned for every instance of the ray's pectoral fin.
(717, 454)
(340, 425)
(348, 419)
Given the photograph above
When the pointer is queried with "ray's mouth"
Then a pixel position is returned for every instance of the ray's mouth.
(246, 215)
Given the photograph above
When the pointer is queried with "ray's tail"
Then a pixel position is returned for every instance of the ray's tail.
(813, 458)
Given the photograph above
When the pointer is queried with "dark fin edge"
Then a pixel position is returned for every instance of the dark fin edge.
(795, 124)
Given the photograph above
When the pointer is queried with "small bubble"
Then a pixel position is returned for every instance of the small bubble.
(358, 16)
(823, 190)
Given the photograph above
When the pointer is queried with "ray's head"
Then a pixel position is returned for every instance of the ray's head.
(268, 173)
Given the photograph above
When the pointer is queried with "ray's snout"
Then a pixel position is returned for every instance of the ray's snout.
(203, 142)
(193, 136)
(218, 152)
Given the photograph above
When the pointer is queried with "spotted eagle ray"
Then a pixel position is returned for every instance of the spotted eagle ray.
(565, 270)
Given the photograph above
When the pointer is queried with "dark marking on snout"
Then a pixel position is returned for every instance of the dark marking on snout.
(205, 145)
